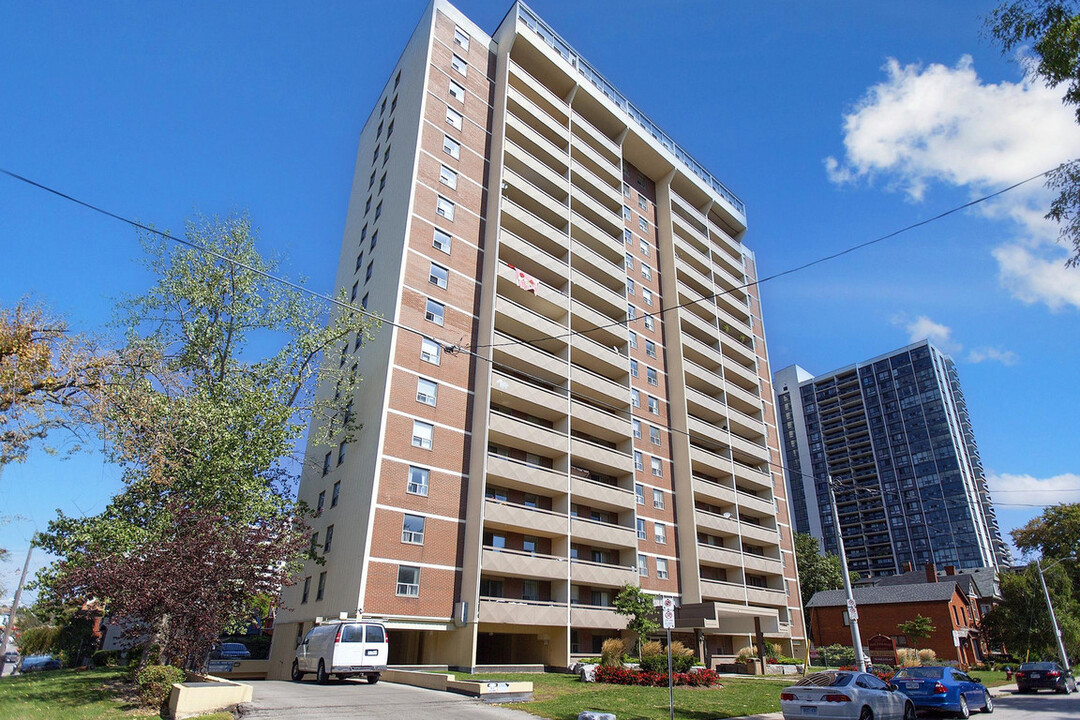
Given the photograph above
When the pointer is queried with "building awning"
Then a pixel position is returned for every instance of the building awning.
(726, 617)
(411, 624)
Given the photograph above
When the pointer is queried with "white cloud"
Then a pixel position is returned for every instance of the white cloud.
(923, 328)
(1007, 488)
(936, 124)
(990, 354)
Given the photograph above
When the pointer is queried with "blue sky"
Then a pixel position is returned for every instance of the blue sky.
(836, 123)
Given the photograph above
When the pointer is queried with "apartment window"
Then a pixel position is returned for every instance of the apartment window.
(635, 398)
(389, 129)
(445, 208)
(654, 435)
(646, 296)
(378, 132)
(629, 286)
(371, 180)
(412, 530)
(461, 38)
(634, 368)
(441, 241)
(448, 177)
(329, 538)
(378, 212)
(367, 206)
(641, 202)
(393, 104)
(639, 493)
(418, 481)
(626, 189)
(651, 375)
(451, 147)
(355, 290)
(641, 529)
(657, 494)
(657, 470)
(633, 339)
(629, 261)
(408, 581)
(322, 501)
(631, 312)
(637, 428)
(397, 79)
(530, 544)
(660, 533)
(438, 275)
(382, 108)
(642, 566)
(359, 263)
(459, 64)
(454, 118)
(434, 312)
(326, 463)
(626, 212)
(530, 590)
(307, 590)
(661, 568)
(426, 391)
(336, 494)
(364, 301)
(430, 351)
(650, 322)
(646, 272)
(370, 268)
(363, 234)
(386, 155)
(650, 348)
(639, 462)
(341, 452)
(422, 434)
(654, 405)
(457, 92)
(375, 236)
(382, 182)
(322, 587)
(627, 236)
(375, 157)
(643, 225)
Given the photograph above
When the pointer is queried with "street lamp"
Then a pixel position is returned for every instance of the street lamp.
(1050, 607)
(853, 613)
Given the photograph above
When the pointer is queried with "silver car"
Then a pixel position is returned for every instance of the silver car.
(844, 695)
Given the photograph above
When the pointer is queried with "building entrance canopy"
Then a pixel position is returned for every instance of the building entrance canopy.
(731, 619)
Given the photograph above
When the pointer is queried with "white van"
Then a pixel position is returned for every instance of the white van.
(342, 649)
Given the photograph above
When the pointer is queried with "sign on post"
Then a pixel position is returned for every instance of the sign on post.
(667, 612)
(852, 610)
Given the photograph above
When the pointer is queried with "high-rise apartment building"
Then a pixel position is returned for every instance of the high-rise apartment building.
(576, 395)
(894, 435)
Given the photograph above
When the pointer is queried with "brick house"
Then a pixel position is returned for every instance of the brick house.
(950, 609)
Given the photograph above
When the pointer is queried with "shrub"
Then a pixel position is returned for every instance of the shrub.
(611, 652)
(772, 651)
(747, 653)
(625, 676)
(837, 654)
(653, 647)
(39, 640)
(106, 658)
(907, 657)
(155, 683)
(927, 656)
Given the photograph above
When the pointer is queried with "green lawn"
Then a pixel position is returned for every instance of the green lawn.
(67, 694)
(563, 697)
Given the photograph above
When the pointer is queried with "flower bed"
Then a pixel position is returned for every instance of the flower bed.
(627, 676)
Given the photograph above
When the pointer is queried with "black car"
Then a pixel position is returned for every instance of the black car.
(1034, 676)
(37, 663)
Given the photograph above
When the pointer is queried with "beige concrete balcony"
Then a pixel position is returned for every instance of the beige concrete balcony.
(601, 495)
(704, 380)
(737, 349)
(514, 563)
(599, 388)
(744, 377)
(585, 129)
(748, 476)
(604, 534)
(732, 306)
(591, 616)
(524, 322)
(520, 475)
(612, 462)
(526, 109)
(597, 213)
(599, 358)
(586, 231)
(599, 267)
(759, 564)
(591, 573)
(686, 251)
(725, 557)
(716, 523)
(708, 462)
(503, 611)
(698, 284)
(535, 229)
(704, 354)
(589, 182)
(733, 327)
(523, 80)
(740, 399)
(601, 328)
(765, 506)
(713, 493)
(527, 358)
(706, 433)
(752, 451)
(706, 407)
(691, 213)
(545, 300)
(765, 596)
(535, 170)
(598, 296)
(747, 426)
(521, 519)
(525, 193)
(556, 157)
(716, 590)
(726, 244)
(597, 162)
(727, 280)
(528, 397)
(758, 534)
(603, 424)
(541, 264)
(511, 432)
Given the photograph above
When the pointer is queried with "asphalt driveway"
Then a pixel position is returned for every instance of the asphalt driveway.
(356, 699)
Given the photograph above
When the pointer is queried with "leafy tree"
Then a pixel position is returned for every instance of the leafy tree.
(1021, 621)
(1052, 27)
(638, 606)
(205, 428)
(817, 572)
(1053, 534)
(918, 628)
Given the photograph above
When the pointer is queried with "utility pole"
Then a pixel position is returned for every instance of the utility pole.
(853, 612)
(1053, 618)
(15, 607)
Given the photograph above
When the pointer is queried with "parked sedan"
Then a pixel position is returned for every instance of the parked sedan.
(37, 663)
(944, 689)
(844, 695)
(1032, 677)
(230, 651)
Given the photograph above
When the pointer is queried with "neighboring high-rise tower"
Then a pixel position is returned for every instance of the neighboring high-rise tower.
(894, 434)
(577, 393)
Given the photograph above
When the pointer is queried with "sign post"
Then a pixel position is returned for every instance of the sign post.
(882, 650)
(667, 612)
